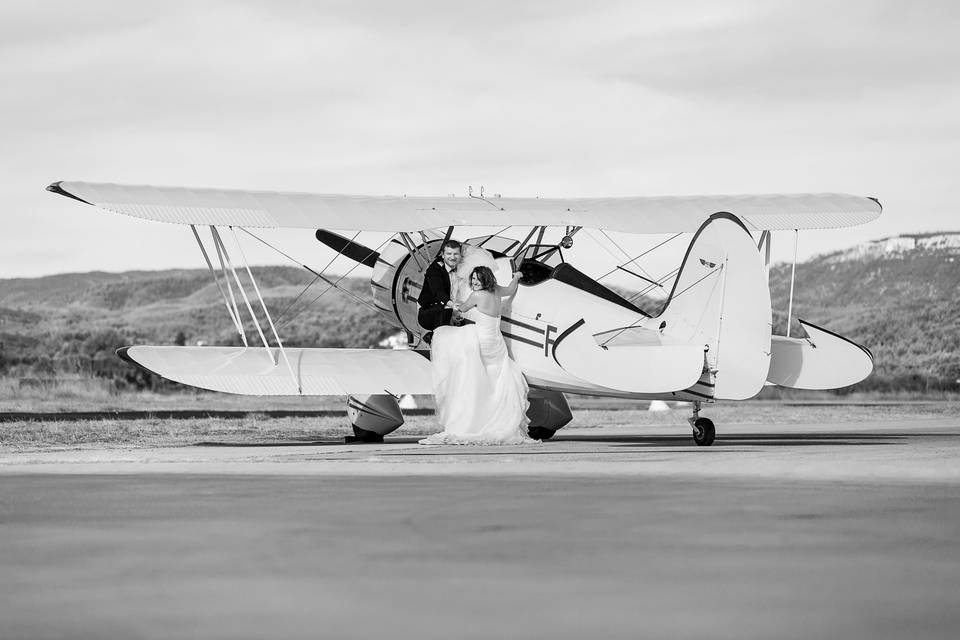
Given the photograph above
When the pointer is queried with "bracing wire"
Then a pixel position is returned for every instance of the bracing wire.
(707, 275)
(605, 248)
(632, 260)
(654, 283)
(747, 221)
(312, 282)
(504, 230)
(331, 284)
(672, 298)
(651, 287)
(296, 300)
(335, 285)
(623, 251)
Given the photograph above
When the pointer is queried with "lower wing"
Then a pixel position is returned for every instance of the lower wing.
(312, 372)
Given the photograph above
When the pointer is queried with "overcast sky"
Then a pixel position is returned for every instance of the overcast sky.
(527, 98)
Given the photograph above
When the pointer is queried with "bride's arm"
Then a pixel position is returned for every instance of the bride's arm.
(511, 288)
(467, 304)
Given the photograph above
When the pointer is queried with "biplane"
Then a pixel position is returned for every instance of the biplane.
(711, 340)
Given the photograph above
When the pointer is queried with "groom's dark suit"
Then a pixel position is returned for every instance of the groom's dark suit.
(434, 296)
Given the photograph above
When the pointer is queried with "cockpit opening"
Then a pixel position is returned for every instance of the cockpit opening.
(538, 262)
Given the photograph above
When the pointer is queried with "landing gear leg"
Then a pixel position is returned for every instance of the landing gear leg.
(704, 433)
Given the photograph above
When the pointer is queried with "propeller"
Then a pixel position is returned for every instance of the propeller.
(353, 250)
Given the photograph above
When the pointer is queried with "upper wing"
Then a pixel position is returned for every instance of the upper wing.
(393, 213)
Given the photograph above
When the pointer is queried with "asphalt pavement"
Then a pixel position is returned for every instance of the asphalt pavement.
(808, 531)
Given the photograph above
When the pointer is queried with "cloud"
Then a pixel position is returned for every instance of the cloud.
(787, 52)
(533, 98)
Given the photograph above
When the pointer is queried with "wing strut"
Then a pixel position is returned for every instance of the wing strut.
(540, 236)
(223, 270)
(409, 244)
(793, 273)
(222, 248)
(263, 305)
(422, 249)
(518, 254)
(231, 310)
(763, 246)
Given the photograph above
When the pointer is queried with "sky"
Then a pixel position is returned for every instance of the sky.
(556, 98)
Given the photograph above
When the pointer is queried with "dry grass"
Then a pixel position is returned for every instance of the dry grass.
(254, 429)
(151, 433)
(769, 413)
(93, 394)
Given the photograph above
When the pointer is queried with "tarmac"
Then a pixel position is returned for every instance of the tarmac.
(825, 530)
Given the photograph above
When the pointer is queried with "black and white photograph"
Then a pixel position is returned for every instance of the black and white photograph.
(431, 320)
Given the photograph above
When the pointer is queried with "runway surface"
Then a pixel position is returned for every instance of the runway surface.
(802, 531)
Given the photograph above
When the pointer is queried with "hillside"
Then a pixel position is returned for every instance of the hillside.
(73, 323)
(898, 296)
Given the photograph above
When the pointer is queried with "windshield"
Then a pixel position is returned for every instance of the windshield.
(547, 254)
(539, 261)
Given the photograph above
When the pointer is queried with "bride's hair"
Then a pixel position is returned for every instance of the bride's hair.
(487, 280)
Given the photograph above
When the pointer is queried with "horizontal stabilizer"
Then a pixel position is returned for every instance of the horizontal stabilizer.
(634, 214)
(823, 360)
(630, 368)
(319, 372)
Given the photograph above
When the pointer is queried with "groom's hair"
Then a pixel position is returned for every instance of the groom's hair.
(452, 244)
(488, 281)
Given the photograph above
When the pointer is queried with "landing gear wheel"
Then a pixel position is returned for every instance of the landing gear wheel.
(362, 435)
(540, 433)
(704, 432)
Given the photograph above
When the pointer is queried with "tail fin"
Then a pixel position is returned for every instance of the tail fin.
(721, 300)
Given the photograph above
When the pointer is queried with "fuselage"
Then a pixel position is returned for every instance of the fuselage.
(532, 321)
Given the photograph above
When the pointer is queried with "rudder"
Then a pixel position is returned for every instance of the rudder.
(721, 300)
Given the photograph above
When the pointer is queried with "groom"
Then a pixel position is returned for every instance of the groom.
(437, 285)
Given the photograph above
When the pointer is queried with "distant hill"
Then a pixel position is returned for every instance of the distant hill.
(73, 323)
(899, 296)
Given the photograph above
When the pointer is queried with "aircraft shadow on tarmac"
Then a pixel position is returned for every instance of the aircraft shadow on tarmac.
(758, 439)
(292, 442)
(651, 441)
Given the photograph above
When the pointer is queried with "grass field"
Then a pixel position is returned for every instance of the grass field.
(96, 394)
(588, 414)
(93, 394)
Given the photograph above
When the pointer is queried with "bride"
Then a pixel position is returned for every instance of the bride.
(481, 393)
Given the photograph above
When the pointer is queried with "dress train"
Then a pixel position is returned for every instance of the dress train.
(480, 391)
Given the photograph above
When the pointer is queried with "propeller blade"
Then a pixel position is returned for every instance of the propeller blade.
(353, 250)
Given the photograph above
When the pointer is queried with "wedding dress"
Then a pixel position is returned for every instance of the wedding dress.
(480, 391)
